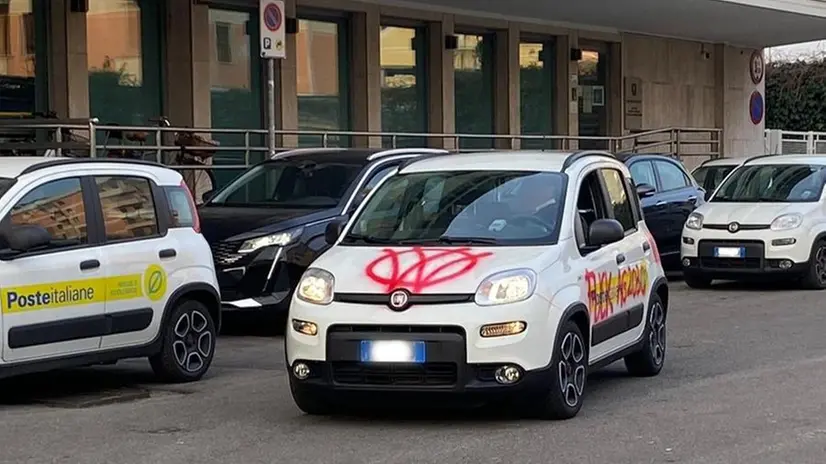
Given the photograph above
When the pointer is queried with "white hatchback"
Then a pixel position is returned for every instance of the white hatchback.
(102, 260)
(481, 276)
(768, 218)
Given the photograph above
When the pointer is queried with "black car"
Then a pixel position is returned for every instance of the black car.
(267, 225)
(668, 194)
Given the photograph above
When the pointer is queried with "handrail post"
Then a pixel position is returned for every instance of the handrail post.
(93, 149)
(159, 145)
(247, 149)
(58, 137)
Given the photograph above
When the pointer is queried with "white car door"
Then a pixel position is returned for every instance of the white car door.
(52, 298)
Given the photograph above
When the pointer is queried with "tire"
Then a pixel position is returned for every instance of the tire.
(696, 281)
(188, 344)
(815, 276)
(308, 402)
(569, 376)
(649, 360)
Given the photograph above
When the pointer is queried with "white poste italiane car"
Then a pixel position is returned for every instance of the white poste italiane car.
(101, 260)
(481, 276)
(767, 218)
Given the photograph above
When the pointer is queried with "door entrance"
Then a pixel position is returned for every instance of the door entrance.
(593, 95)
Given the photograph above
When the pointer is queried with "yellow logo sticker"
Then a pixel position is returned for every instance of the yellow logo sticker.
(154, 282)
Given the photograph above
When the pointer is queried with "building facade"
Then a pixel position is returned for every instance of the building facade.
(583, 68)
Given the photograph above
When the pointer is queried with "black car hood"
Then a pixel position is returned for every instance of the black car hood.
(227, 222)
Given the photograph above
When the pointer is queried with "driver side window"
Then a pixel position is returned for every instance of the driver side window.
(590, 207)
(56, 206)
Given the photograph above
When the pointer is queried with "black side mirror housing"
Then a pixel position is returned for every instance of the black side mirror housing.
(21, 239)
(333, 231)
(645, 190)
(604, 232)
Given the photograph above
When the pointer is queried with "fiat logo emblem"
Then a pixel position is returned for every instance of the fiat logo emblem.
(399, 300)
(733, 227)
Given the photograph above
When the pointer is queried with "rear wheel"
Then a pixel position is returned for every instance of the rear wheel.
(649, 360)
(569, 372)
(188, 344)
(815, 277)
(697, 281)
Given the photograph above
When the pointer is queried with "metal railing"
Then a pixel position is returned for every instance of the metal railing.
(794, 142)
(88, 137)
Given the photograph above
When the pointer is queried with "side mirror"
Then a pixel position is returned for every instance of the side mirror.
(21, 239)
(333, 231)
(645, 190)
(207, 195)
(604, 232)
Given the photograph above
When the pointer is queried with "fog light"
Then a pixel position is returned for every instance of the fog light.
(304, 327)
(784, 241)
(786, 264)
(686, 262)
(503, 329)
(301, 371)
(688, 240)
(507, 375)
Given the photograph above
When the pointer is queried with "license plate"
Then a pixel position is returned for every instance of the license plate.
(727, 252)
(392, 351)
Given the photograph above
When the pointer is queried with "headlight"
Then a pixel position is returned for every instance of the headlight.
(694, 221)
(506, 287)
(279, 239)
(787, 222)
(316, 286)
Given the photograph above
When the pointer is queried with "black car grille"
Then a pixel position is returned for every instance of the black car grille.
(427, 374)
(225, 253)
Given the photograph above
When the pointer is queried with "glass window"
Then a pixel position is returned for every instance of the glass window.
(124, 61)
(643, 173)
(709, 177)
(128, 207)
(23, 86)
(56, 206)
(295, 184)
(536, 75)
(620, 203)
(779, 183)
(462, 207)
(403, 79)
(593, 114)
(322, 80)
(374, 180)
(180, 205)
(671, 176)
(473, 88)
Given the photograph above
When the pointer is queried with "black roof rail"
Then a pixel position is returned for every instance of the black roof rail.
(407, 151)
(67, 161)
(414, 159)
(757, 158)
(584, 154)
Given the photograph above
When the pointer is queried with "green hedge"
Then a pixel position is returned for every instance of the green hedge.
(796, 95)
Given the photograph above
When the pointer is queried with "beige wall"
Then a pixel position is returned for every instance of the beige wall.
(743, 137)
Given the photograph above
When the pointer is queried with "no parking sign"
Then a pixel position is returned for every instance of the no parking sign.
(273, 37)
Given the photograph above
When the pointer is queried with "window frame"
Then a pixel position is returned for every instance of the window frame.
(662, 188)
(610, 204)
(601, 207)
(161, 205)
(656, 185)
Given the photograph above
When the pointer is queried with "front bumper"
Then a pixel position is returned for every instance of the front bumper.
(457, 358)
(766, 252)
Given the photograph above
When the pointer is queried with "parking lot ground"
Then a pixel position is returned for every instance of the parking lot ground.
(745, 382)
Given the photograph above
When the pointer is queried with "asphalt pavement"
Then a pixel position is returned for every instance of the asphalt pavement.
(744, 382)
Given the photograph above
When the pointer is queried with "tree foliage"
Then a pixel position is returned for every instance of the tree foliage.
(796, 95)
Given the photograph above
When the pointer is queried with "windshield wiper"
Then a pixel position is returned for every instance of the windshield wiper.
(367, 239)
(469, 240)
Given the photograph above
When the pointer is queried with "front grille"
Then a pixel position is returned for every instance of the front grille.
(422, 329)
(731, 263)
(427, 374)
(742, 227)
(224, 253)
(752, 260)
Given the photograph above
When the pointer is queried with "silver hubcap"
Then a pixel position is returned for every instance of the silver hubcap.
(656, 335)
(572, 368)
(193, 342)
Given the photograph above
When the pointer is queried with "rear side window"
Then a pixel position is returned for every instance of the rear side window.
(181, 207)
(128, 207)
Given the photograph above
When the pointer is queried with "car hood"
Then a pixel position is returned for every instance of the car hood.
(425, 269)
(749, 213)
(227, 222)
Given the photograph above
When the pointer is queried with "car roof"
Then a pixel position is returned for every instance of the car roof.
(788, 159)
(349, 155)
(13, 167)
(504, 160)
(726, 161)
(626, 157)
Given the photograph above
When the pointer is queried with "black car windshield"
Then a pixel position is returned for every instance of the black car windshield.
(290, 183)
(463, 208)
(709, 177)
(773, 183)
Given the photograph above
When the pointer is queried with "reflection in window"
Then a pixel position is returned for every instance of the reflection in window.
(123, 51)
(473, 88)
(403, 95)
(536, 74)
(128, 207)
(56, 206)
(592, 112)
(322, 104)
(17, 58)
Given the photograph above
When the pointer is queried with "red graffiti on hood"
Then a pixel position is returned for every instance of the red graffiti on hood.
(427, 267)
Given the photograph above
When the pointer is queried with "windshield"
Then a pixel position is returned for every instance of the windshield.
(463, 207)
(289, 183)
(709, 177)
(779, 183)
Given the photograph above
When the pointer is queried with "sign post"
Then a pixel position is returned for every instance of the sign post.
(273, 47)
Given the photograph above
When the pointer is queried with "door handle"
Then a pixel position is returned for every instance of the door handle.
(620, 258)
(168, 253)
(89, 264)
(659, 203)
(646, 246)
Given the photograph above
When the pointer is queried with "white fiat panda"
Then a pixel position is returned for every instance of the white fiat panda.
(502, 276)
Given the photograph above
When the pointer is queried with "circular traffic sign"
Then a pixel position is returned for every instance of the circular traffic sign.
(757, 67)
(272, 17)
(756, 107)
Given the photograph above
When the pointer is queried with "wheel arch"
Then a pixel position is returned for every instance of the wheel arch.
(201, 292)
(578, 313)
(660, 288)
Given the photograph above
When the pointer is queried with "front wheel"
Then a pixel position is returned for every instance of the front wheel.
(697, 281)
(188, 344)
(815, 277)
(569, 372)
(649, 360)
